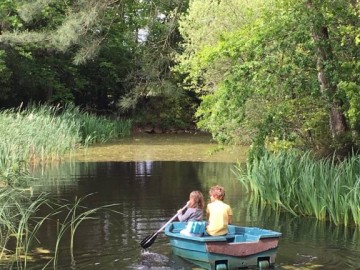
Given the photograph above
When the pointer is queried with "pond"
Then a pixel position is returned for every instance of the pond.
(148, 178)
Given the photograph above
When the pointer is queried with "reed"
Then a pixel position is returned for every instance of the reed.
(327, 189)
(100, 129)
(76, 215)
(20, 224)
(47, 133)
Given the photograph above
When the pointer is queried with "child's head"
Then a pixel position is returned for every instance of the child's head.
(217, 192)
(196, 200)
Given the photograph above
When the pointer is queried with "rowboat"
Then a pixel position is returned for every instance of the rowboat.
(242, 247)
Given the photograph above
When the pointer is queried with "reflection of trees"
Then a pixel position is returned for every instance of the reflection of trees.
(55, 178)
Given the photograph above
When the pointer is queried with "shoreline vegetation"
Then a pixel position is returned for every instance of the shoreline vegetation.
(47, 133)
(42, 134)
(328, 188)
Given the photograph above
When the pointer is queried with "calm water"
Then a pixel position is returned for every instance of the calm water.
(149, 178)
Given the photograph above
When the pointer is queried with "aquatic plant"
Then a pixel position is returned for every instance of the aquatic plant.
(76, 215)
(20, 222)
(328, 189)
(18, 225)
(94, 129)
(47, 133)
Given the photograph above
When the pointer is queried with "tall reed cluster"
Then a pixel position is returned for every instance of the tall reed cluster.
(328, 189)
(47, 133)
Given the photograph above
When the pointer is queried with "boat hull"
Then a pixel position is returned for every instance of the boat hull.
(242, 247)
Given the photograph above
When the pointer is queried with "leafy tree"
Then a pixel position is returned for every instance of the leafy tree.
(285, 75)
(153, 94)
(94, 53)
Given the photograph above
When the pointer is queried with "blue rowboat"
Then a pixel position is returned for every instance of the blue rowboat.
(242, 247)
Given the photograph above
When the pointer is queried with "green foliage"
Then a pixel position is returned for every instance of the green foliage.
(60, 25)
(90, 53)
(259, 76)
(19, 225)
(152, 92)
(76, 214)
(101, 129)
(166, 112)
(5, 75)
(352, 91)
(9, 16)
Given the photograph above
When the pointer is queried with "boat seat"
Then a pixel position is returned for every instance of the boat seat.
(246, 238)
(240, 238)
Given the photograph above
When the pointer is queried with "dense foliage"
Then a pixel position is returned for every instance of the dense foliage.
(274, 73)
(108, 57)
(277, 73)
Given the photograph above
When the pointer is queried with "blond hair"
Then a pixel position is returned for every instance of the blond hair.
(217, 192)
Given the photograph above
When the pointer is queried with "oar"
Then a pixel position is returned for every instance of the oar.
(150, 239)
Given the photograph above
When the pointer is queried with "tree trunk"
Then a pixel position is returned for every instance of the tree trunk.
(325, 62)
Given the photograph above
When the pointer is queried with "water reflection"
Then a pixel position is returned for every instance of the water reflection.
(148, 194)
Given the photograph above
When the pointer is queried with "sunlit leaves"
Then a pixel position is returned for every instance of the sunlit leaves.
(8, 16)
(270, 56)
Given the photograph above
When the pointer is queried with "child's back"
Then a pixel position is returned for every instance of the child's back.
(219, 214)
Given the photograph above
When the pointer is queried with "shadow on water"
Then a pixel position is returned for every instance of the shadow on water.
(148, 193)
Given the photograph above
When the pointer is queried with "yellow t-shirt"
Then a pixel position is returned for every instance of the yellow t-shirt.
(218, 213)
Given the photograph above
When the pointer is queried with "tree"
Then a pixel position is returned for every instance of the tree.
(326, 66)
(272, 59)
(94, 53)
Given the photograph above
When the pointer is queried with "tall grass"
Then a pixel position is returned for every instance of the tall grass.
(76, 215)
(18, 226)
(328, 189)
(39, 133)
(34, 134)
(20, 223)
(99, 129)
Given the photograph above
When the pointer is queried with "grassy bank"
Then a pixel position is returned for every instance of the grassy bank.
(36, 134)
(327, 189)
(41, 133)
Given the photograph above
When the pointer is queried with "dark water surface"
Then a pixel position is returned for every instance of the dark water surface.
(149, 179)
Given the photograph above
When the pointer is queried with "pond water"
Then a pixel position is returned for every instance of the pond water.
(148, 178)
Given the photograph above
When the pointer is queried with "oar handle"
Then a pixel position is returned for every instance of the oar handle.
(167, 223)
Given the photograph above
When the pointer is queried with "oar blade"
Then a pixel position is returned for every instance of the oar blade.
(148, 241)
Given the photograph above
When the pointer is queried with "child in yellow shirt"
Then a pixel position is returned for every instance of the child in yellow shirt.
(218, 213)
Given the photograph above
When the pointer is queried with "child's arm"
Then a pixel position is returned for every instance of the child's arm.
(186, 216)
